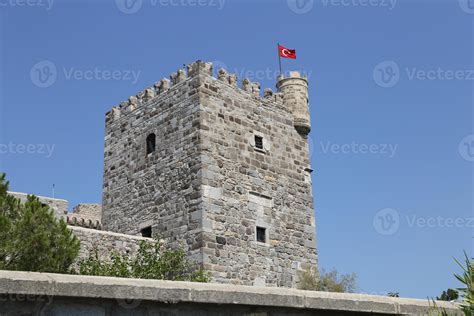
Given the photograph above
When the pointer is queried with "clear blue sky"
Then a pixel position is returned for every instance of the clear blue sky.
(391, 92)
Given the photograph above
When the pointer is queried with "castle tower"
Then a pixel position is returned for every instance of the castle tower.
(217, 169)
(295, 98)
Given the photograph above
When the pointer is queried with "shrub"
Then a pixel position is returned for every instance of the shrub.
(467, 278)
(449, 295)
(327, 281)
(152, 261)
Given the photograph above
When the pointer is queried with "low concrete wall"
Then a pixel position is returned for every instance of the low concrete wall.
(28, 293)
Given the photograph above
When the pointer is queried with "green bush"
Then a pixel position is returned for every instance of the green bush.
(152, 261)
(327, 281)
(449, 295)
(31, 237)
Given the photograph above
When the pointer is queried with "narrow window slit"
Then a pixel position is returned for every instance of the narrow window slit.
(261, 234)
(146, 232)
(150, 144)
(258, 142)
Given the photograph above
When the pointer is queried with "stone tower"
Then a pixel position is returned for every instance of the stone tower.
(217, 169)
(295, 98)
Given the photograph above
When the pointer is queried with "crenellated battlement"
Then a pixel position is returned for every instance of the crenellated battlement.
(163, 86)
(83, 222)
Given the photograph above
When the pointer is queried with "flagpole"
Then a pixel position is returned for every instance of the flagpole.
(279, 57)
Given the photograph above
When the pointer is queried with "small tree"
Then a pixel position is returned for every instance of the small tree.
(152, 261)
(328, 281)
(449, 295)
(31, 237)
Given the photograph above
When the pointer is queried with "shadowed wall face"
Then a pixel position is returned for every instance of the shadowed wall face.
(101, 307)
(151, 164)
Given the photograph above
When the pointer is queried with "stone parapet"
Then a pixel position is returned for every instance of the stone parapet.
(56, 294)
(59, 206)
(106, 242)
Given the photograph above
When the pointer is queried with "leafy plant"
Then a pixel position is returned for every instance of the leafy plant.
(309, 280)
(152, 261)
(449, 295)
(327, 281)
(467, 293)
(393, 294)
(466, 278)
(435, 310)
(31, 237)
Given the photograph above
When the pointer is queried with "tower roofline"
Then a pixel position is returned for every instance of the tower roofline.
(195, 69)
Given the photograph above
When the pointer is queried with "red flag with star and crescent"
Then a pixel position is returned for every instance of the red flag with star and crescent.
(286, 52)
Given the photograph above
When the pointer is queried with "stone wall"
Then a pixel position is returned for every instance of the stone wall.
(60, 207)
(105, 242)
(91, 212)
(159, 189)
(245, 187)
(86, 215)
(27, 293)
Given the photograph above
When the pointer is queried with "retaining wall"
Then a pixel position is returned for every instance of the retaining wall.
(28, 293)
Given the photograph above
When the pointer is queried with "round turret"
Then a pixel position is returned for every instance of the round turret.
(295, 98)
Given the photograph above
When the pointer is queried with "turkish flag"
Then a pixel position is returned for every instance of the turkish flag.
(287, 53)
